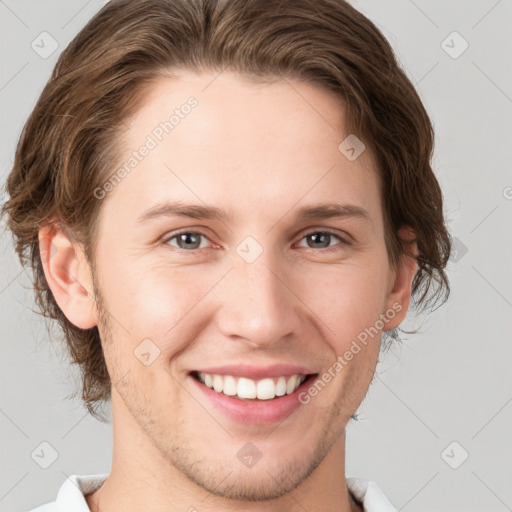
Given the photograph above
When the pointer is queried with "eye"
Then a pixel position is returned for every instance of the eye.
(322, 239)
(186, 240)
(189, 241)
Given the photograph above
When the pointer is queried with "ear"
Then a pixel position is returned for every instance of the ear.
(68, 275)
(400, 284)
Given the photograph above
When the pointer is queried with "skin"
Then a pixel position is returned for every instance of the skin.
(259, 151)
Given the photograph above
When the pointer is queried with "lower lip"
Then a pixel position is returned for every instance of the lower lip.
(255, 412)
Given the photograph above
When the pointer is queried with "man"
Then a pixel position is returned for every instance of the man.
(229, 203)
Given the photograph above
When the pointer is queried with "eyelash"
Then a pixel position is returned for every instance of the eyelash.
(343, 242)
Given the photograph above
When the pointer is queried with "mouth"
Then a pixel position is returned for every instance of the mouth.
(246, 389)
(266, 401)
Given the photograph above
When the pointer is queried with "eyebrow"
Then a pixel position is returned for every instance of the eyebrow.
(198, 211)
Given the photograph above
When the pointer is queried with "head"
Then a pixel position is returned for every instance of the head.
(253, 117)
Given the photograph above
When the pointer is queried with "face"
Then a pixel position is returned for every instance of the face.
(247, 279)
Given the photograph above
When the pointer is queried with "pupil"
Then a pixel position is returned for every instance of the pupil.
(323, 236)
(185, 239)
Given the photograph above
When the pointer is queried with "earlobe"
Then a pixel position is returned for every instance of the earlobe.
(68, 275)
(399, 296)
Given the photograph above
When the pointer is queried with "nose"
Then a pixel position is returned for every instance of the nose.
(257, 302)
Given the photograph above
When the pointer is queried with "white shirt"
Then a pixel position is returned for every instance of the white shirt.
(70, 497)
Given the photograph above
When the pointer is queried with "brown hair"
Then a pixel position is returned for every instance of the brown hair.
(67, 147)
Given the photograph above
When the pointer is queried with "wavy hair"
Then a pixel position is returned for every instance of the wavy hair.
(68, 144)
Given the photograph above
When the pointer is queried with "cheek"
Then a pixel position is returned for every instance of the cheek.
(348, 299)
(160, 301)
(155, 312)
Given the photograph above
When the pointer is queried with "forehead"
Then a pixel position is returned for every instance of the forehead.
(240, 144)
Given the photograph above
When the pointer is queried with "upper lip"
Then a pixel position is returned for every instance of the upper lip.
(257, 372)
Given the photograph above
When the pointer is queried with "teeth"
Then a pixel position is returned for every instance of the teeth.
(229, 387)
(291, 385)
(218, 383)
(246, 388)
(264, 389)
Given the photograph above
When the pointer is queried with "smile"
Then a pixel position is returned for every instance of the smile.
(244, 388)
(255, 402)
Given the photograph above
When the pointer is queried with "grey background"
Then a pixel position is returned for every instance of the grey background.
(451, 382)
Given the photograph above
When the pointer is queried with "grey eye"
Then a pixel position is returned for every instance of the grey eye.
(188, 240)
(320, 239)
